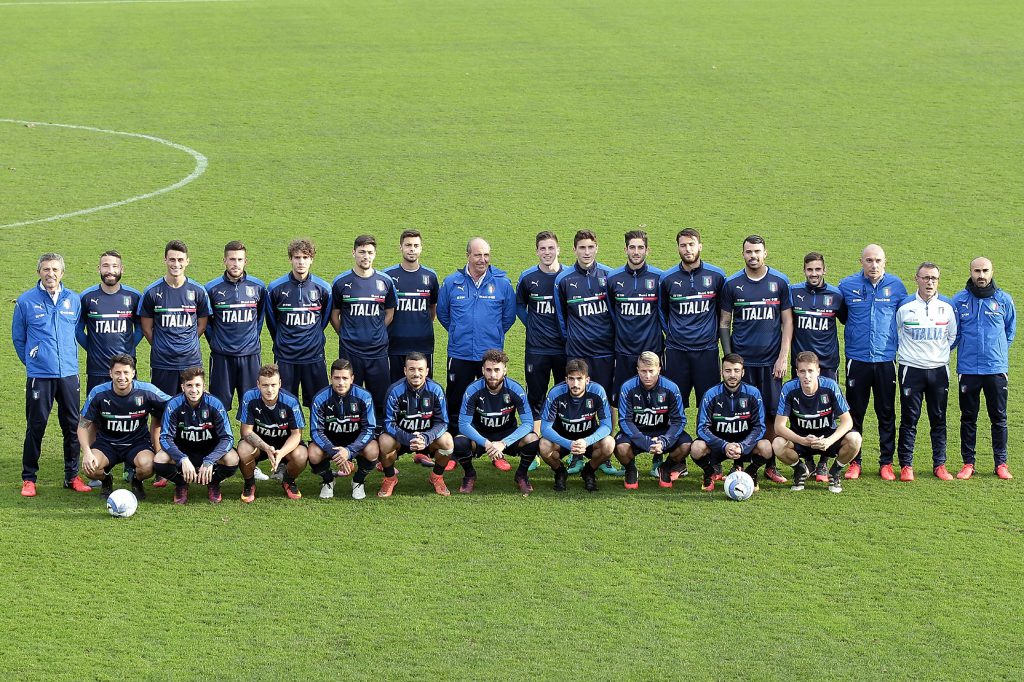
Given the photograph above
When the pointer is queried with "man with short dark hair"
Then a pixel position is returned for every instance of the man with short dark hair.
(416, 290)
(342, 428)
(577, 420)
(730, 426)
(109, 323)
(364, 305)
(651, 419)
(872, 297)
(196, 440)
(173, 312)
(43, 332)
(819, 422)
(986, 326)
(298, 311)
(926, 332)
(121, 425)
(477, 306)
(817, 305)
(239, 303)
(487, 424)
(416, 421)
(545, 345)
(756, 305)
(271, 424)
(633, 302)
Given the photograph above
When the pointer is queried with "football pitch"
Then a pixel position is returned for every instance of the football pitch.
(820, 125)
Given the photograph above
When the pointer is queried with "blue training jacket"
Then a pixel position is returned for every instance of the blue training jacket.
(476, 317)
(985, 329)
(44, 332)
(870, 332)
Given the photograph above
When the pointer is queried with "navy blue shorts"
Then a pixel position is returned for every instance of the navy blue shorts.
(622, 439)
(120, 454)
(231, 374)
(692, 370)
(167, 380)
(762, 379)
(311, 377)
(625, 369)
(373, 374)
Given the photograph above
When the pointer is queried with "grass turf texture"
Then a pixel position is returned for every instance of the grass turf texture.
(820, 125)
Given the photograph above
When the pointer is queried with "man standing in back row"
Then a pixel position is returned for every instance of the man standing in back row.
(110, 320)
(416, 288)
(872, 297)
(477, 306)
(987, 325)
(755, 302)
(173, 313)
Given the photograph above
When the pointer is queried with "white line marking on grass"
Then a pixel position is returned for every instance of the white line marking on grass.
(105, 2)
(200, 168)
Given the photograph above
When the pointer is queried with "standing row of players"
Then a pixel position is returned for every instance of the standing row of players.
(188, 438)
(579, 311)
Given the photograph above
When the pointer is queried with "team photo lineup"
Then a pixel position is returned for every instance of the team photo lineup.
(613, 358)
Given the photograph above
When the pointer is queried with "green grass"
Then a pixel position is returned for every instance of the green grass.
(820, 125)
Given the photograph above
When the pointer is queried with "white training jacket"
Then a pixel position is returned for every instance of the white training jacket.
(925, 331)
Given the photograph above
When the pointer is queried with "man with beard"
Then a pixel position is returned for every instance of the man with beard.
(987, 324)
(109, 323)
(416, 287)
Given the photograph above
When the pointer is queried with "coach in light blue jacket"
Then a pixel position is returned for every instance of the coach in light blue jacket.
(477, 305)
(43, 331)
(987, 325)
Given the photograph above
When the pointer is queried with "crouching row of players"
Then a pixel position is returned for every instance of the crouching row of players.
(189, 438)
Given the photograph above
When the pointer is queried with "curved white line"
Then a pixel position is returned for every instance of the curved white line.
(200, 168)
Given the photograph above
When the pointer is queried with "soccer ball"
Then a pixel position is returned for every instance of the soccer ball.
(122, 503)
(739, 486)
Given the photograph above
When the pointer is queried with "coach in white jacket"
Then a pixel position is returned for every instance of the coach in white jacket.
(925, 331)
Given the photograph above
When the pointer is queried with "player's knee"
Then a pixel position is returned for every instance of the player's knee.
(763, 448)
(605, 446)
(230, 458)
(445, 441)
(371, 451)
(531, 437)
(314, 453)
(698, 449)
(161, 457)
(853, 440)
(779, 445)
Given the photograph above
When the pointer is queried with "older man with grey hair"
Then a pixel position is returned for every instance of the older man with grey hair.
(477, 305)
(43, 331)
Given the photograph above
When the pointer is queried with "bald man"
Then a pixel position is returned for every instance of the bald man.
(477, 305)
(872, 297)
(987, 324)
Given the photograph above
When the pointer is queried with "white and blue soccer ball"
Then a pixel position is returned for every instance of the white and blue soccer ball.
(122, 503)
(739, 486)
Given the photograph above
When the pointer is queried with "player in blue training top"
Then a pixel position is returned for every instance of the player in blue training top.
(585, 318)
(342, 429)
(173, 312)
(633, 294)
(545, 345)
(110, 320)
(299, 308)
(477, 305)
(817, 306)
(415, 420)
(755, 304)
(196, 440)
(690, 296)
(581, 305)
(651, 419)
(730, 426)
(115, 427)
(239, 303)
(416, 289)
(488, 425)
(577, 420)
(872, 297)
(819, 424)
(271, 428)
(363, 307)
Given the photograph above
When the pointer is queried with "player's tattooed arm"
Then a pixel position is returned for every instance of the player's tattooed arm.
(252, 439)
(84, 423)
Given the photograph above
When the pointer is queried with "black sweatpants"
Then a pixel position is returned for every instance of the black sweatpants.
(39, 397)
(880, 377)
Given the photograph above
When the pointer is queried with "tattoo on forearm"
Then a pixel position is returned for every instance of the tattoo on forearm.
(84, 423)
(257, 442)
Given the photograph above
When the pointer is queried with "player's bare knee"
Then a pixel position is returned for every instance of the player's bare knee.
(445, 441)
(230, 458)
